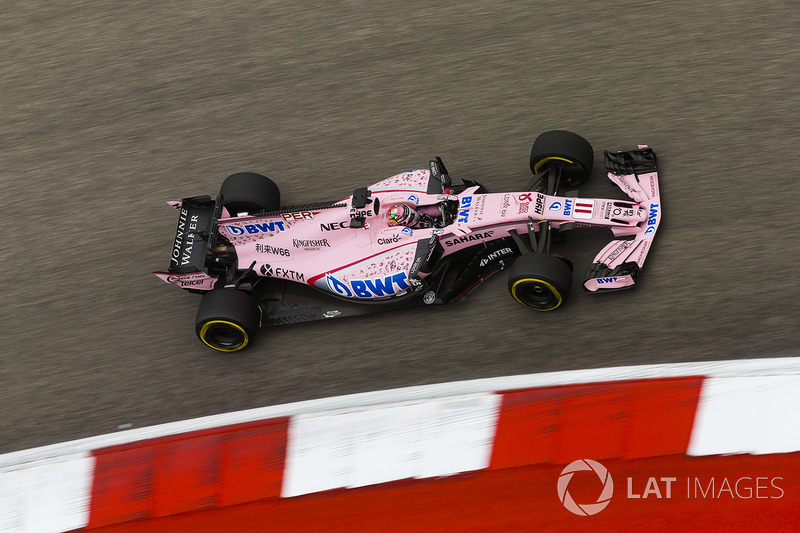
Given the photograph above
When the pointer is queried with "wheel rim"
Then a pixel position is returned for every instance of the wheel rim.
(536, 294)
(223, 335)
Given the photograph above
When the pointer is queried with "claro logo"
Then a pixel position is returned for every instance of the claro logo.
(585, 509)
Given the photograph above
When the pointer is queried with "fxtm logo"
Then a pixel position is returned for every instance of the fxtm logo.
(267, 270)
(263, 227)
(585, 509)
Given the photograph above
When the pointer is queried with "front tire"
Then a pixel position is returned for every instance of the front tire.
(540, 281)
(569, 150)
(227, 320)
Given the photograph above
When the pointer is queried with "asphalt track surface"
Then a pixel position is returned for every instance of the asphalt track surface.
(111, 109)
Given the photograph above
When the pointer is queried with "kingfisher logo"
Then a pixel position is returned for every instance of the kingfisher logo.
(585, 509)
(262, 227)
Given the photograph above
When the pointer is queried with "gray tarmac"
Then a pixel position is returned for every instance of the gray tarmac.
(109, 109)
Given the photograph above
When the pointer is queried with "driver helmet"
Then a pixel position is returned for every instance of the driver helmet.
(402, 215)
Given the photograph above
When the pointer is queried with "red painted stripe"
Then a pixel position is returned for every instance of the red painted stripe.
(640, 418)
(190, 471)
(526, 499)
(253, 464)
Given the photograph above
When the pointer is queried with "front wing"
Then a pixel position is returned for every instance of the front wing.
(618, 263)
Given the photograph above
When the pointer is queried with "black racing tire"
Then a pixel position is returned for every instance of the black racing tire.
(227, 319)
(570, 150)
(540, 281)
(249, 192)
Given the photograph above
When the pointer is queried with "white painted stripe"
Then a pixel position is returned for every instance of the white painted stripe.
(742, 367)
(341, 449)
(750, 414)
(461, 435)
(47, 498)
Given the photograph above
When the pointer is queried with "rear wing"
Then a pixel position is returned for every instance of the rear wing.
(194, 236)
(618, 263)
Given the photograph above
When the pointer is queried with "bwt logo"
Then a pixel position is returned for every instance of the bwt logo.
(368, 288)
(263, 227)
(652, 218)
(585, 509)
(463, 212)
(555, 206)
(606, 280)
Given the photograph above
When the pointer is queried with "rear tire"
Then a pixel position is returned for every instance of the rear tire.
(227, 320)
(540, 281)
(570, 150)
(249, 192)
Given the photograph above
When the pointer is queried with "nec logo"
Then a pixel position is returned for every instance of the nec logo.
(263, 227)
(334, 226)
(463, 212)
(601, 281)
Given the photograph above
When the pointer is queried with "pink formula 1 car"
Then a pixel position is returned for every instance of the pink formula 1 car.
(413, 239)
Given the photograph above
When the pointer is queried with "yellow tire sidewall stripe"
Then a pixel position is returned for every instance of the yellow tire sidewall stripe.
(543, 282)
(210, 323)
(547, 160)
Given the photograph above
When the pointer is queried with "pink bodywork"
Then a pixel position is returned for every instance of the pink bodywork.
(318, 248)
